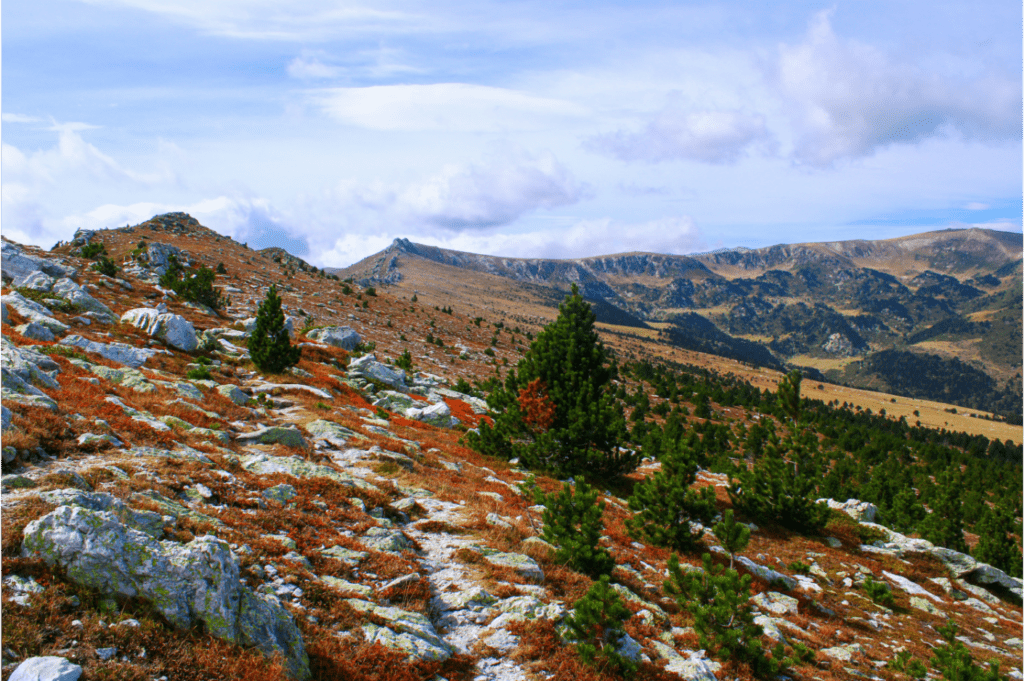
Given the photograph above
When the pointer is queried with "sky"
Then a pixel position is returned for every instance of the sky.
(525, 129)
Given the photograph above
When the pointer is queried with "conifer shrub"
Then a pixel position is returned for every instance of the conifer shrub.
(576, 373)
(404, 361)
(996, 545)
(733, 536)
(269, 346)
(944, 526)
(596, 628)
(573, 524)
(93, 249)
(194, 287)
(779, 492)
(106, 266)
(879, 592)
(907, 664)
(665, 505)
(718, 598)
(954, 661)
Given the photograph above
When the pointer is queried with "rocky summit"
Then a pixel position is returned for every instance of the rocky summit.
(172, 512)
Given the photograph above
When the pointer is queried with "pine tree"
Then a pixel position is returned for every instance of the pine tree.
(596, 627)
(719, 600)
(954, 661)
(571, 369)
(573, 523)
(780, 493)
(995, 542)
(665, 504)
(269, 345)
(906, 512)
(944, 526)
(789, 394)
(733, 536)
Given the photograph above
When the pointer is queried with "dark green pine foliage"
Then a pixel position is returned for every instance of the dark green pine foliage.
(944, 526)
(996, 545)
(779, 492)
(953, 660)
(906, 512)
(719, 600)
(733, 536)
(596, 627)
(588, 426)
(788, 394)
(665, 504)
(573, 523)
(269, 345)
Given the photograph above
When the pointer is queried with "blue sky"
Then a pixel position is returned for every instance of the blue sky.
(532, 129)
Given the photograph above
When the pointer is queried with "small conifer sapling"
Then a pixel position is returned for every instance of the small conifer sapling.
(596, 628)
(573, 523)
(269, 346)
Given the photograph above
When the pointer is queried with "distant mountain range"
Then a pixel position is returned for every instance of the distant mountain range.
(934, 315)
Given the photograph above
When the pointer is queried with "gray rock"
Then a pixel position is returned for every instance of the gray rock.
(35, 331)
(172, 329)
(347, 556)
(524, 565)
(45, 668)
(350, 587)
(776, 603)
(339, 336)
(195, 582)
(17, 266)
(33, 311)
(693, 667)
(861, 511)
(106, 653)
(267, 435)
(766, 574)
(289, 323)
(842, 653)
(369, 368)
(383, 539)
(22, 589)
(121, 353)
(80, 299)
(328, 430)
(924, 604)
(280, 493)
(158, 256)
(265, 464)
(5, 418)
(147, 522)
(436, 415)
(407, 631)
(233, 393)
(91, 438)
(995, 579)
(37, 281)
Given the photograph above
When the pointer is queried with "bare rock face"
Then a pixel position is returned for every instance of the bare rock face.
(339, 336)
(368, 367)
(198, 581)
(861, 511)
(18, 266)
(48, 668)
(34, 312)
(174, 330)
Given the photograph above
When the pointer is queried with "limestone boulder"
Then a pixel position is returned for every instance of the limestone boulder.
(408, 631)
(267, 435)
(339, 336)
(80, 299)
(18, 265)
(47, 668)
(195, 582)
(369, 368)
(861, 511)
(233, 393)
(122, 353)
(171, 329)
(33, 311)
(35, 331)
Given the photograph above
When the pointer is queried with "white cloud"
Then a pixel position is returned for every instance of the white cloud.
(309, 67)
(711, 136)
(849, 99)
(443, 106)
(496, 192)
(297, 20)
(19, 118)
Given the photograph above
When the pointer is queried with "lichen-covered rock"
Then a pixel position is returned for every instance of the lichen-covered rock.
(392, 400)
(328, 430)
(767, 574)
(861, 511)
(17, 265)
(842, 653)
(122, 353)
(282, 494)
(198, 581)
(439, 415)
(172, 508)
(776, 603)
(33, 311)
(693, 667)
(345, 586)
(80, 299)
(233, 393)
(407, 631)
(524, 565)
(268, 435)
(265, 464)
(369, 368)
(347, 556)
(339, 336)
(144, 521)
(21, 370)
(383, 539)
(35, 331)
(47, 668)
(172, 329)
